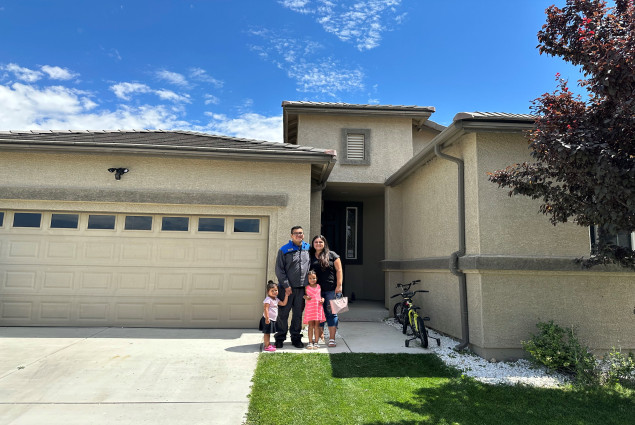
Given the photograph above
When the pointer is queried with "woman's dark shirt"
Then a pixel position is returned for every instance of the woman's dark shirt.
(325, 278)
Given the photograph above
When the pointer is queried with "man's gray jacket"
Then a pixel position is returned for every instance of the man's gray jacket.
(292, 265)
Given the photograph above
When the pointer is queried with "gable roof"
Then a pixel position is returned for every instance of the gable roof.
(353, 107)
(292, 109)
(175, 143)
(464, 122)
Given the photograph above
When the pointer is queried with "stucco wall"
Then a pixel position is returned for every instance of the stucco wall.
(514, 225)
(85, 172)
(505, 307)
(428, 213)
(421, 138)
(390, 144)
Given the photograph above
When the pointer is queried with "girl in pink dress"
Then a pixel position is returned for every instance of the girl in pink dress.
(313, 310)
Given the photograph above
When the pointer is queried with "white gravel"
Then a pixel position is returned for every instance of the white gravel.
(519, 372)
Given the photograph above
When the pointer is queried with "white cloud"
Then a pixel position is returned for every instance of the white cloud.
(312, 73)
(361, 22)
(248, 126)
(58, 73)
(23, 74)
(202, 75)
(27, 107)
(123, 90)
(170, 95)
(24, 107)
(172, 78)
(211, 99)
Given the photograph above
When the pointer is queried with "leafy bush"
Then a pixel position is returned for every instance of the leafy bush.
(559, 350)
(618, 367)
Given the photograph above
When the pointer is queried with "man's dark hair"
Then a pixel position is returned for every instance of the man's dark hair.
(294, 228)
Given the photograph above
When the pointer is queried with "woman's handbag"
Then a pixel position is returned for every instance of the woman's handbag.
(339, 304)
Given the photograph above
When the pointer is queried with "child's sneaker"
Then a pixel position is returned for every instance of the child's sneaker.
(270, 348)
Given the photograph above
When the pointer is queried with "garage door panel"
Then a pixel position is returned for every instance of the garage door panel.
(131, 313)
(20, 280)
(207, 312)
(241, 282)
(58, 280)
(23, 249)
(96, 312)
(55, 311)
(206, 283)
(172, 313)
(100, 251)
(133, 252)
(16, 311)
(61, 250)
(167, 282)
(96, 283)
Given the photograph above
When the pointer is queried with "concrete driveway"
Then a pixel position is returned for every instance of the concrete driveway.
(125, 375)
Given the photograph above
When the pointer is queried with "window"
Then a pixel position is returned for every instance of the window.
(27, 219)
(1, 218)
(211, 224)
(64, 221)
(356, 145)
(351, 233)
(138, 222)
(599, 234)
(180, 224)
(101, 222)
(247, 225)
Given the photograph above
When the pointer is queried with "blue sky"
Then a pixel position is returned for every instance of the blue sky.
(225, 66)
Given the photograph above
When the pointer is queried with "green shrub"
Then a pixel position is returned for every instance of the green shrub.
(559, 350)
(618, 367)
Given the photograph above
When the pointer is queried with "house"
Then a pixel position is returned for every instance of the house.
(188, 236)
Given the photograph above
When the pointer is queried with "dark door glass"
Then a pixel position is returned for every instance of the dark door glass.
(64, 221)
(101, 222)
(27, 219)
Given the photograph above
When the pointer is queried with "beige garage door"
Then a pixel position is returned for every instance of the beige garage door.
(101, 269)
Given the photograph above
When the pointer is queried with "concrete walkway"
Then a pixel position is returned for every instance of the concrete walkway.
(151, 376)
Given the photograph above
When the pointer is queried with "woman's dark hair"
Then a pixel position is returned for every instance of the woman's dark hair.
(324, 255)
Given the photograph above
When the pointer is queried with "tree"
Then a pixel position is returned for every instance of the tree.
(585, 150)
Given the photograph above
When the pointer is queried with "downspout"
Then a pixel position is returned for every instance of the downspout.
(454, 258)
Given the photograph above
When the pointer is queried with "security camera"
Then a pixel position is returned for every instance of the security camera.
(118, 172)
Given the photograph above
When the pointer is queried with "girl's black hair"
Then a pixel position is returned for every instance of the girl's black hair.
(270, 285)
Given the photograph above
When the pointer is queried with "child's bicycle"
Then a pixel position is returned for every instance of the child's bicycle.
(412, 318)
(400, 310)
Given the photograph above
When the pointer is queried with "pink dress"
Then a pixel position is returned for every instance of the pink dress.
(313, 309)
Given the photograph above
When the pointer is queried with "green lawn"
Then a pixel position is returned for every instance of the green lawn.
(405, 389)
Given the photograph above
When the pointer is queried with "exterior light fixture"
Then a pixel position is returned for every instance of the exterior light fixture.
(118, 172)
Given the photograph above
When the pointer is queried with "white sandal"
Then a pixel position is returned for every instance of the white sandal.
(332, 343)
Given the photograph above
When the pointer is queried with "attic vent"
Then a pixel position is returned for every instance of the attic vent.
(355, 147)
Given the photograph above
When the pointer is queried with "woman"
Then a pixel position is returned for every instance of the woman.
(328, 268)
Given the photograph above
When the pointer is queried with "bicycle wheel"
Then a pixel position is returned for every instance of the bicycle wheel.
(398, 312)
(422, 333)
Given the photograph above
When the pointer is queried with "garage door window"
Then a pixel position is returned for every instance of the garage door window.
(179, 224)
(64, 221)
(211, 224)
(138, 222)
(247, 225)
(101, 222)
(27, 219)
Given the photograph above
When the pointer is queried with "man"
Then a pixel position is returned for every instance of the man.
(292, 266)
